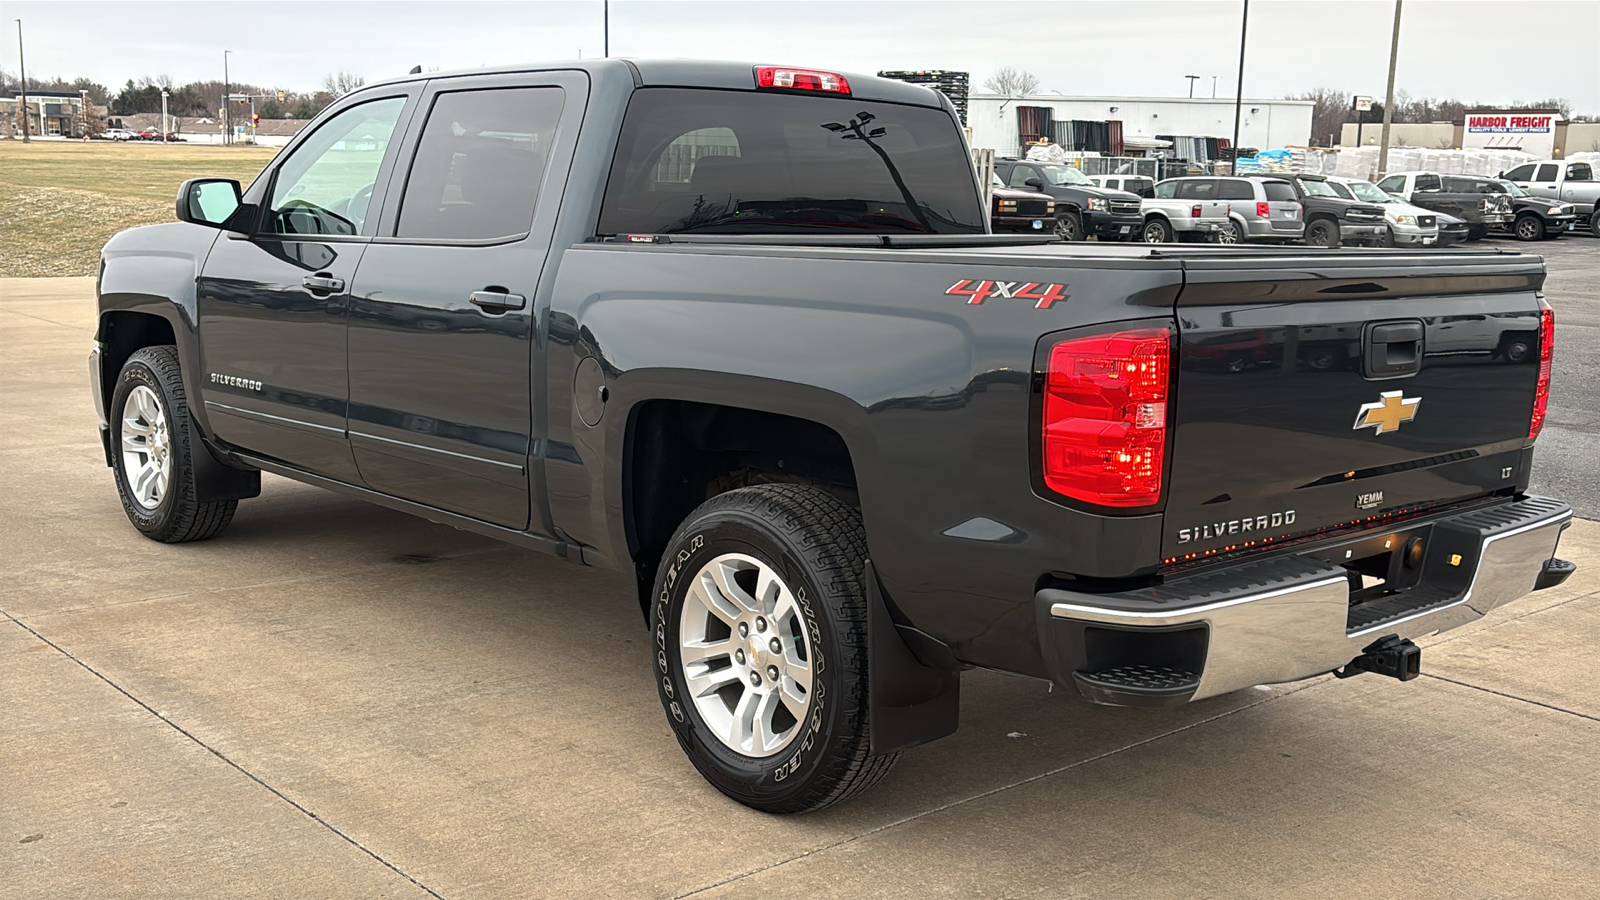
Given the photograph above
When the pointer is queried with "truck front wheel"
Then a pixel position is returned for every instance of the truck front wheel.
(1069, 226)
(1529, 228)
(1322, 233)
(153, 458)
(759, 620)
(1156, 231)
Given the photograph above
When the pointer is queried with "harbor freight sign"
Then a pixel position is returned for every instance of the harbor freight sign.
(1512, 130)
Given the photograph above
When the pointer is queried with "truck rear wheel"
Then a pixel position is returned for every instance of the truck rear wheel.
(1156, 231)
(760, 624)
(1594, 221)
(153, 457)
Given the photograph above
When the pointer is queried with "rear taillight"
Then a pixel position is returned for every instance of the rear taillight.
(1483, 204)
(1194, 211)
(801, 80)
(1547, 345)
(1263, 211)
(1105, 417)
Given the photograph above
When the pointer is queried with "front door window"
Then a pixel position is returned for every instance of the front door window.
(326, 186)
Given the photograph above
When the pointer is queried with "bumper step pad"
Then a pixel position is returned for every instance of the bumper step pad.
(1137, 686)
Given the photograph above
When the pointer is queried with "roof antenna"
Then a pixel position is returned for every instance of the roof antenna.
(415, 70)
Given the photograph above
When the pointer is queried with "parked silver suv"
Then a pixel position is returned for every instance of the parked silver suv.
(1259, 209)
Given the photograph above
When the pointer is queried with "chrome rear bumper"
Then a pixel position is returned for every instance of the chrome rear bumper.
(1291, 617)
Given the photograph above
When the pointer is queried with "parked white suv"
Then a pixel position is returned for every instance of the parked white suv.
(119, 134)
(1409, 226)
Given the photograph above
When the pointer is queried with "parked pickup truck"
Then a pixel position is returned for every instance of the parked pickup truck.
(1021, 211)
(1570, 181)
(1083, 208)
(1330, 219)
(1537, 218)
(1452, 194)
(740, 331)
(1168, 218)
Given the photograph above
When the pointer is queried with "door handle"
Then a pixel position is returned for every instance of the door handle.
(496, 299)
(321, 282)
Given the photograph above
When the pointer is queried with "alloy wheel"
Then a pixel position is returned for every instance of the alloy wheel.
(146, 447)
(744, 650)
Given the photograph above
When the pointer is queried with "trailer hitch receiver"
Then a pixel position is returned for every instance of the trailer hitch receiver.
(1389, 655)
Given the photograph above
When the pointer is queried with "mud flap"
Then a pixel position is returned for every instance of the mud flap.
(911, 700)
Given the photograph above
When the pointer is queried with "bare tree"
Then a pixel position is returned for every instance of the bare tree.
(1011, 82)
(340, 83)
(1330, 110)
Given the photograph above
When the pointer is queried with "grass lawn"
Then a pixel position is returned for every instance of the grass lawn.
(60, 201)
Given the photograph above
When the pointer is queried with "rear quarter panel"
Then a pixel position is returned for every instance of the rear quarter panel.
(930, 392)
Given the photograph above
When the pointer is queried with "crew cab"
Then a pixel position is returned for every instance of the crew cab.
(1082, 208)
(1451, 194)
(741, 331)
(1331, 219)
(1569, 181)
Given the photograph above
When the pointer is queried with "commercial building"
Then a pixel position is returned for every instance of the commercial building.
(1542, 133)
(996, 123)
(53, 113)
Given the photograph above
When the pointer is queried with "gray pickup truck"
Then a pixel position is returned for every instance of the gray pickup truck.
(741, 331)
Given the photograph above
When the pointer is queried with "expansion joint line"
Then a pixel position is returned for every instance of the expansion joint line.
(220, 755)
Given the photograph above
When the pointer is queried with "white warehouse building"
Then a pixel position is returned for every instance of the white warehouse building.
(1263, 124)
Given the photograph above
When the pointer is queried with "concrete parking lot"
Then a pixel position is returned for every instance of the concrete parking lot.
(337, 700)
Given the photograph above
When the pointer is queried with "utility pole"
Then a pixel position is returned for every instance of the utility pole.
(22, 75)
(1214, 87)
(163, 115)
(1238, 97)
(227, 131)
(1192, 80)
(1388, 99)
(606, 23)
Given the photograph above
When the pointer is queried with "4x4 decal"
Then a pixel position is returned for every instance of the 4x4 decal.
(1043, 295)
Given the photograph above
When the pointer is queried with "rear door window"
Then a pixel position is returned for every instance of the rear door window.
(478, 167)
(1235, 189)
(1547, 172)
(1279, 190)
(781, 163)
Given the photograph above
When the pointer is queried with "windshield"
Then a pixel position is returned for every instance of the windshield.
(1511, 189)
(1366, 190)
(1064, 175)
(1314, 188)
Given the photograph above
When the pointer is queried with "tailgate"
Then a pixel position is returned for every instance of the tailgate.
(1306, 402)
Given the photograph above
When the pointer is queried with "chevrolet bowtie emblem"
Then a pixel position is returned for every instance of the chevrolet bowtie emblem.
(1388, 413)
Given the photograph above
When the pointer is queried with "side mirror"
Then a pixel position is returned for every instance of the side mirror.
(208, 201)
(1034, 183)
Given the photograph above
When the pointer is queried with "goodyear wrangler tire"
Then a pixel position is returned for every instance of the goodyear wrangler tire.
(152, 458)
(760, 626)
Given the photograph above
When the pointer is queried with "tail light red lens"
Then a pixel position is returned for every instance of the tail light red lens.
(1263, 211)
(1194, 211)
(1547, 344)
(1105, 417)
(801, 80)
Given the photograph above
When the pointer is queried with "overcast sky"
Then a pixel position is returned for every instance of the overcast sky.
(1490, 51)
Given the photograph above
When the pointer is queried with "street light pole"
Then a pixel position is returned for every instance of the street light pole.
(606, 23)
(22, 74)
(1214, 87)
(1192, 80)
(227, 135)
(1388, 98)
(1238, 98)
(163, 115)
